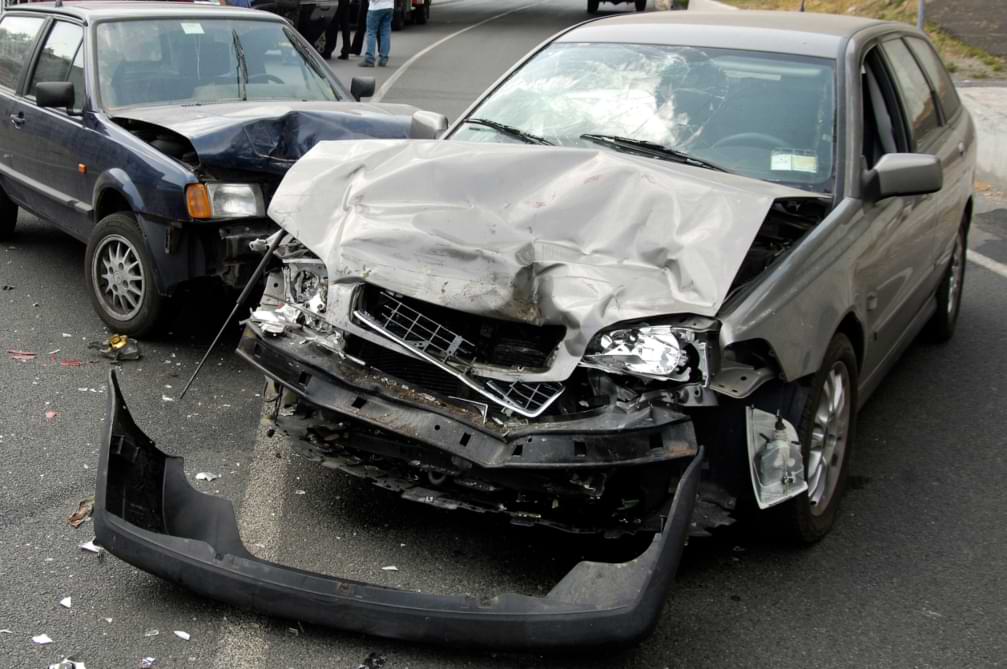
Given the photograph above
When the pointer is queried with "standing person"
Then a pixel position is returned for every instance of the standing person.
(379, 29)
(360, 26)
(340, 24)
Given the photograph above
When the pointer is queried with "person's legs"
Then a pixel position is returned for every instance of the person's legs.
(372, 36)
(385, 36)
(360, 27)
(342, 21)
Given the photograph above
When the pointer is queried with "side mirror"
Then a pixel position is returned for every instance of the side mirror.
(903, 174)
(54, 94)
(427, 125)
(361, 87)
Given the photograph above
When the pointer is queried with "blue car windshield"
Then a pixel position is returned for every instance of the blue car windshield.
(764, 115)
(203, 61)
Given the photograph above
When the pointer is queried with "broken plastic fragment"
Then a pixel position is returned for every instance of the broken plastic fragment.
(108, 620)
(91, 547)
(21, 356)
(67, 335)
(41, 639)
(300, 492)
(150, 633)
(6, 631)
(165, 398)
(83, 512)
(147, 662)
(67, 663)
(50, 415)
(65, 602)
(184, 636)
(207, 476)
(70, 363)
(118, 348)
(390, 567)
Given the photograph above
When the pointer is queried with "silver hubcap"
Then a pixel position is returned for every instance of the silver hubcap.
(118, 277)
(828, 438)
(955, 276)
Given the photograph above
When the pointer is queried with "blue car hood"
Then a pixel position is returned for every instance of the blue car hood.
(269, 136)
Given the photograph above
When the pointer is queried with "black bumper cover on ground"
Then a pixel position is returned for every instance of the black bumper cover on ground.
(147, 514)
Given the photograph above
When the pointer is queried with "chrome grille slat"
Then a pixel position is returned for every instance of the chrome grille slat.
(423, 332)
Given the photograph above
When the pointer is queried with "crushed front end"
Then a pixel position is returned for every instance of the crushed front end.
(447, 408)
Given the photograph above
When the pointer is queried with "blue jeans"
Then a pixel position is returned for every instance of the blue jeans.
(379, 28)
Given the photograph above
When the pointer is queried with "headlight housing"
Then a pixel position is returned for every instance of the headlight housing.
(224, 200)
(681, 352)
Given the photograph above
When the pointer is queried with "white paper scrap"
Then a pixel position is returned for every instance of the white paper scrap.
(65, 602)
(182, 635)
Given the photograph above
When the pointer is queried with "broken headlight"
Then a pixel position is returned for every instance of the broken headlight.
(682, 353)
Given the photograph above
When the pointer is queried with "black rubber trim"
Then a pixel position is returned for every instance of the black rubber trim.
(147, 514)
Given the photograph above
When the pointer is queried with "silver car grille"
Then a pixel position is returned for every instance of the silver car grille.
(424, 338)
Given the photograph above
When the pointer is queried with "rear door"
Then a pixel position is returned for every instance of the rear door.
(18, 35)
(53, 139)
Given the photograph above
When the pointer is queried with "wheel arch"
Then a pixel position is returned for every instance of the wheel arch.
(854, 331)
(114, 191)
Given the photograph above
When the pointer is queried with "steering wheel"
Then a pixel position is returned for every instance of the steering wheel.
(264, 78)
(749, 138)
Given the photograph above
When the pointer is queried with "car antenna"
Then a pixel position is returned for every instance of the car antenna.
(274, 242)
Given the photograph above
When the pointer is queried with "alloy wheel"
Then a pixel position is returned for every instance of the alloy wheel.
(828, 437)
(117, 277)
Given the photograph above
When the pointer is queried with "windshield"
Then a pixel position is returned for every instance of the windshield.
(767, 116)
(202, 61)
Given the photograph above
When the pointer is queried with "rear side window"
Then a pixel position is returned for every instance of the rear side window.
(938, 75)
(17, 37)
(917, 98)
(61, 60)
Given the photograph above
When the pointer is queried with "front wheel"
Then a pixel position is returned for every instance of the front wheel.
(641, 5)
(826, 419)
(8, 216)
(942, 324)
(120, 276)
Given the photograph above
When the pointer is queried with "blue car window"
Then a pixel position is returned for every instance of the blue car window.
(17, 37)
(60, 60)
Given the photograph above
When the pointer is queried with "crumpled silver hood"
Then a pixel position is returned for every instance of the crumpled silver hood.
(580, 237)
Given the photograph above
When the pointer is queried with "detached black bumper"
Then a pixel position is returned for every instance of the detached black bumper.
(147, 514)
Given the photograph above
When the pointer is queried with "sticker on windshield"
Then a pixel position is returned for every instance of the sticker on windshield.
(793, 160)
(192, 28)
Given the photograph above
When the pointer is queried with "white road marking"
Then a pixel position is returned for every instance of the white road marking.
(988, 263)
(390, 81)
(243, 644)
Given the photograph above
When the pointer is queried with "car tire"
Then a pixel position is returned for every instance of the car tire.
(120, 277)
(8, 216)
(809, 516)
(422, 14)
(641, 5)
(592, 6)
(942, 324)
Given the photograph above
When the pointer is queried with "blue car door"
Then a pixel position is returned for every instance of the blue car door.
(17, 41)
(53, 140)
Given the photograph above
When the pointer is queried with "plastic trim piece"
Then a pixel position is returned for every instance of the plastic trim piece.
(147, 514)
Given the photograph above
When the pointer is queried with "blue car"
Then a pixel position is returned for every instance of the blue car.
(156, 134)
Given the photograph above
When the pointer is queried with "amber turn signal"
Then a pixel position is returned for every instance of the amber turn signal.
(197, 199)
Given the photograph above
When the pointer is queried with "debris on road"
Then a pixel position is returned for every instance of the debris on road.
(6, 287)
(300, 492)
(84, 509)
(6, 631)
(184, 636)
(41, 639)
(147, 662)
(165, 398)
(67, 335)
(207, 476)
(108, 620)
(390, 567)
(372, 661)
(67, 663)
(119, 348)
(70, 363)
(21, 356)
(65, 602)
(51, 415)
(150, 633)
(92, 547)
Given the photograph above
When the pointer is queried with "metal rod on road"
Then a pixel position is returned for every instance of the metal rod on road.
(921, 15)
(273, 243)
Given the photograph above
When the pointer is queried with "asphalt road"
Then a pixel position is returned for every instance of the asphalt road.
(914, 574)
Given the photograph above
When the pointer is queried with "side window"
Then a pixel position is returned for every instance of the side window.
(884, 130)
(939, 76)
(917, 98)
(17, 37)
(61, 59)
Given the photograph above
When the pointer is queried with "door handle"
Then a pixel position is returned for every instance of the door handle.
(17, 120)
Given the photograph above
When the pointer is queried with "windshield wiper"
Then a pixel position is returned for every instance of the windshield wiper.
(242, 73)
(651, 149)
(509, 130)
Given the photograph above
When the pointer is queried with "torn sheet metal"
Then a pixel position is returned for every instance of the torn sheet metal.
(577, 237)
(269, 137)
